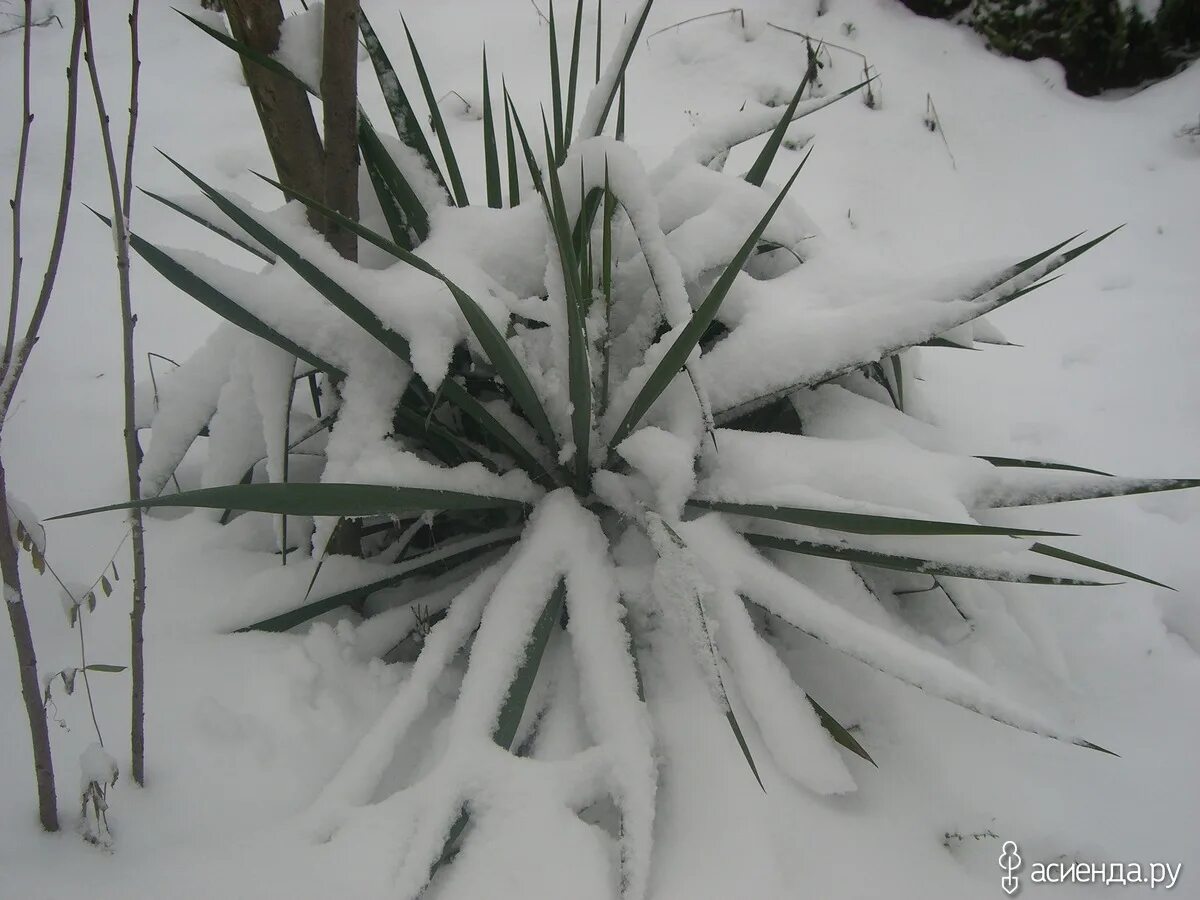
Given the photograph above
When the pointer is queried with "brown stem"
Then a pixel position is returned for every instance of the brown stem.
(137, 736)
(43, 763)
(339, 93)
(120, 201)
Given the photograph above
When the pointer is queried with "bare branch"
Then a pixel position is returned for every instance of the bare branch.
(22, 160)
(121, 192)
(19, 354)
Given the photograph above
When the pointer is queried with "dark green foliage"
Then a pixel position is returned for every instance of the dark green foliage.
(937, 9)
(1178, 25)
(1100, 43)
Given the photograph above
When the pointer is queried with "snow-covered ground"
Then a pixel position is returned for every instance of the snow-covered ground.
(244, 730)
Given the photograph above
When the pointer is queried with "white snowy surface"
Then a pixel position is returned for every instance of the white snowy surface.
(245, 731)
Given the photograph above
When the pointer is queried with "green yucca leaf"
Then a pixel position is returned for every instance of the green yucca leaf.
(583, 250)
(408, 217)
(1005, 462)
(104, 667)
(875, 372)
(606, 285)
(248, 53)
(1118, 487)
(920, 674)
(444, 557)
(980, 307)
(210, 225)
(619, 133)
(408, 126)
(996, 342)
(296, 499)
(627, 624)
(860, 523)
(489, 337)
(622, 66)
(506, 364)
(713, 661)
(572, 79)
(907, 563)
(1068, 556)
(491, 156)
(522, 684)
(514, 187)
(357, 312)
(292, 444)
(839, 733)
(195, 286)
(676, 356)
(439, 126)
(745, 748)
(942, 341)
(556, 99)
(442, 442)
(514, 704)
(809, 109)
(898, 372)
(599, 33)
(762, 164)
(350, 305)
(578, 365)
(535, 171)
(393, 215)
(448, 849)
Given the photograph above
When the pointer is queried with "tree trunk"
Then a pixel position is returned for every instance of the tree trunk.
(43, 764)
(339, 92)
(282, 105)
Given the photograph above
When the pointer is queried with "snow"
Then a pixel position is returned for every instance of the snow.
(300, 41)
(248, 733)
(96, 765)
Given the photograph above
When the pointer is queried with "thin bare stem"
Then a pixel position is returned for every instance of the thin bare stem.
(87, 685)
(934, 123)
(736, 10)
(135, 69)
(818, 40)
(15, 358)
(19, 188)
(19, 354)
(121, 200)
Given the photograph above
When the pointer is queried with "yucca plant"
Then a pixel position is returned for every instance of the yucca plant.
(597, 432)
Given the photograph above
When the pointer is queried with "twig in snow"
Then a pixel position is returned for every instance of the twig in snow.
(735, 10)
(22, 27)
(465, 102)
(869, 97)
(934, 123)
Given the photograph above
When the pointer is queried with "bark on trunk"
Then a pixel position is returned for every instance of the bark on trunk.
(282, 105)
(339, 91)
